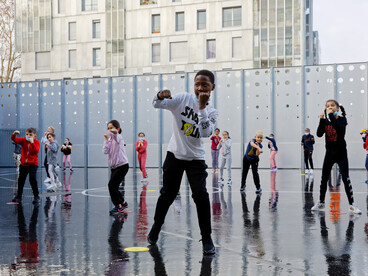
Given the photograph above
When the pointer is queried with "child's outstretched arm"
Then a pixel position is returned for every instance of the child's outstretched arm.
(164, 100)
(14, 137)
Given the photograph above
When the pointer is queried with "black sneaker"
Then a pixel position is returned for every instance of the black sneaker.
(116, 210)
(36, 200)
(153, 234)
(208, 247)
(17, 199)
(124, 205)
(242, 188)
(71, 170)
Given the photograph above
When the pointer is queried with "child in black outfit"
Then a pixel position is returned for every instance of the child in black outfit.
(334, 128)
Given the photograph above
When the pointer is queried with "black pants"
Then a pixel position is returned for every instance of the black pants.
(23, 172)
(342, 160)
(173, 170)
(308, 157)
(46, 166)
(246, 165)
(117, 176)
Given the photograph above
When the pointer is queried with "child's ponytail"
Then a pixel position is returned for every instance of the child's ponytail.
(343, 113)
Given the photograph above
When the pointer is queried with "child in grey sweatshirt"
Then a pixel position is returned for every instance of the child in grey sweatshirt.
(225, 152)
(52, 149)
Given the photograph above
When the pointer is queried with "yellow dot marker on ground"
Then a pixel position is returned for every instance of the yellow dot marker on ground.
(151, 190)
(136, 249)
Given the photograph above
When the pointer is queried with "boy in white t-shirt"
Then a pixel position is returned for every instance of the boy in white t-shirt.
(193, 119)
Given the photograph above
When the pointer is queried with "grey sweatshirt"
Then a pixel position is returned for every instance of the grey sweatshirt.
(226, 148)
(52, 150)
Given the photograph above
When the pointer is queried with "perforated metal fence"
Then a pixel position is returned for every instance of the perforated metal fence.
(279, 100)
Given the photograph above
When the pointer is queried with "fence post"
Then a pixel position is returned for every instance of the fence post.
(161, 126)
(135, 118)
(86, 123)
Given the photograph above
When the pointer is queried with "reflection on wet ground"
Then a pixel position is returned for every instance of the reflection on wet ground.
(71, 232)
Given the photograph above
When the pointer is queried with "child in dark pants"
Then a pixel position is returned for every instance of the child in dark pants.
(118, 160)
(193, 119)
(251, 158)
(28, 163)
(334, 128)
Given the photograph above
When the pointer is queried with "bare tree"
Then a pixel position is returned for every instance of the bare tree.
(9, 57)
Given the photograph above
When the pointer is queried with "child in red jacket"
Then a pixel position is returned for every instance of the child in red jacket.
(141, 148)
(28, 162)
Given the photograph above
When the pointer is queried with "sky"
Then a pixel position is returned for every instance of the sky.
(343, 30)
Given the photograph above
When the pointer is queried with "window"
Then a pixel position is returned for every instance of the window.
(155, 23)
(231, 17)
(89, 5)
(176, 0)
(156, 52)
(72, 33)
(61, 6)
(178, 51)
(237, 47)
(43, 61)
(201, 20)
(211, 49)
(72, 59)
(96, 56)
(96, 29)
(179, 21)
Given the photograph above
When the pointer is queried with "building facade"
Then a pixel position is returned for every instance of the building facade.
(91, 38)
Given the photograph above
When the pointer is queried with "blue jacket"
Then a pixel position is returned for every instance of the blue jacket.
(250, 153)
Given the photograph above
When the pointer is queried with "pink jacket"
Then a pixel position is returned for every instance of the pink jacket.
(114, 147)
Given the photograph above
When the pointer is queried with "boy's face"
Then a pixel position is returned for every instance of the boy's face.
(203, 84)
(50, 138)
(30, 135)
(259, 138)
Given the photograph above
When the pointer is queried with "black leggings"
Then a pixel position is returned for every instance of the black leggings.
(342, 161)
(173, 169)
(46, 166)
(117, 176)
(246, 165)
(308, 156)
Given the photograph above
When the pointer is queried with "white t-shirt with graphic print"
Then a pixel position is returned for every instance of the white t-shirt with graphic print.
(190, 125)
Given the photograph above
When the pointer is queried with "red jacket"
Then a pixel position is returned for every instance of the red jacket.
(141, 149)
(365, 145)
(29, 154)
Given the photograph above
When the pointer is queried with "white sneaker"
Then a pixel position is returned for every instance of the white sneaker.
(47, 180)
(51, 187)
(311, 171)
(318, 207)
(354, 209)
(306, 171)
(220, 180)
(229, 183)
